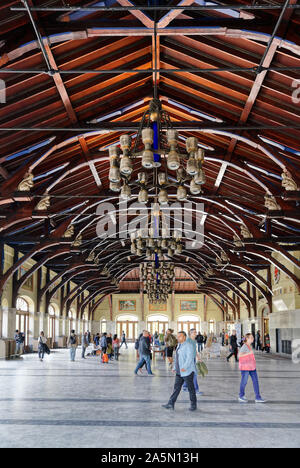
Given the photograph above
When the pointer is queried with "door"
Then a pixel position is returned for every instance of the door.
(130, 329)
(266, 329)
(52, 328)
(157, 326)
(187, 326)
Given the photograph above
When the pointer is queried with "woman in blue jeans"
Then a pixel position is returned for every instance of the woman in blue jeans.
(247, 366)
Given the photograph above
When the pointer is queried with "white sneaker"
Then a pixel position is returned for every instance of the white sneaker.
(243, 400)
(260, 401)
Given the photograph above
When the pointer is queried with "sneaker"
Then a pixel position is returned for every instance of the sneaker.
(260, 400)
(243, 400)
(193, 408)
(199, 393)
(151, 375)
(184, 389)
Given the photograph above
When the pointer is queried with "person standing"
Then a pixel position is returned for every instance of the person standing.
(103, 343)
(42, 342)
(233, 347)
(144, 353)
(89, 336)
(84, 344)
(72, 344)
(199, 339)
(109, 342)
(171, 343)
(223, 337)
(19, 342)
(247, 367)
(192, 340)
(116, 347)
(267, 343)
(258, 341)
(97, 340)
(184, 369)
(204, 339)
(123, 340)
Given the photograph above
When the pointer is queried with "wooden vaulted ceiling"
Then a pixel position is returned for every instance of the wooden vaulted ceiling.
(58, 121)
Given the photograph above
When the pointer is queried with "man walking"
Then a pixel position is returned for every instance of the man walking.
(72, 344)
(144, 353)
(123, 340)
(84, 344)
(233, 347)
(103, 343)
(192, 340)
(185, 370)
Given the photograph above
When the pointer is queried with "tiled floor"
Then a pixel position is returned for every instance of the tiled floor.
(57, 403)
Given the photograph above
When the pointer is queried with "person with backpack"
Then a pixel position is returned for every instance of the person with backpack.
(84, 344)
(116, 347)
(247, 365)
(171, 343)
(19, 342)
(42, 344)
(145, 353)
(72, 344)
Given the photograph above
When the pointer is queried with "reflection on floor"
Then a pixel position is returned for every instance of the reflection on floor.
(90, 404)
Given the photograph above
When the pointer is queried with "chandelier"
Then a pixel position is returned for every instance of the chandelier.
(158, 279)
(160, 154)
(156, 239)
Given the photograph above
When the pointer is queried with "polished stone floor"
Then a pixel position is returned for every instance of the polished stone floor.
(58, 403)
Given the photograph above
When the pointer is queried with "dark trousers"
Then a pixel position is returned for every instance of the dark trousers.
(179, 381)
(234, 353)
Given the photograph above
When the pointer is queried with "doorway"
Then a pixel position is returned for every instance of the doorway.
(157, 323)
(187, 323)
(22, 324)
(128, 324)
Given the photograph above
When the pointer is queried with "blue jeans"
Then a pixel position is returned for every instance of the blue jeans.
(72, 353)
(200, 347)
(254, 377)
(144, 358)
(195, 380)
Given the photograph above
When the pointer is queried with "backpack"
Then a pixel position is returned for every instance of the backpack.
(137, 344)
(172, 341)
(73, 339)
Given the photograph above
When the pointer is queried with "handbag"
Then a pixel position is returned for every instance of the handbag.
(201, 368)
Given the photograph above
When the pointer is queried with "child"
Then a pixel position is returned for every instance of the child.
(247, 366)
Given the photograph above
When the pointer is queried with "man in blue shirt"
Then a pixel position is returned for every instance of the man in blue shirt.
(185, 370)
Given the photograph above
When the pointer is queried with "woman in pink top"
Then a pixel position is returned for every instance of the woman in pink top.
(247, 366)
(116, 347)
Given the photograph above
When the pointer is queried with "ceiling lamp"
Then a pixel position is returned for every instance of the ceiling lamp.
(158, 279)
(157, 145)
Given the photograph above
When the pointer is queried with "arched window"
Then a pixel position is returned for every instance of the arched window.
(22, 305)
(51, 310)
(22, 317)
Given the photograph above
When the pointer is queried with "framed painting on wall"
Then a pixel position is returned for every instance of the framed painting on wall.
(189, 306)
(127, 305)
(29, 282)
(158, 307)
